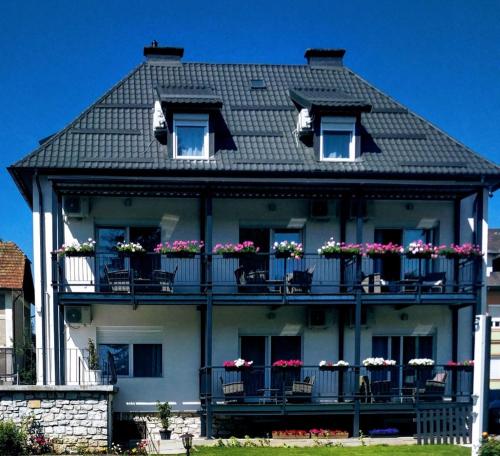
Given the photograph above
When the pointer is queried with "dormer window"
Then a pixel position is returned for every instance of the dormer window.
(190, 138)
(337, 141)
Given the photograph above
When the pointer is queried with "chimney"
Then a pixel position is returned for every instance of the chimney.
(325, 57)
(163, 53)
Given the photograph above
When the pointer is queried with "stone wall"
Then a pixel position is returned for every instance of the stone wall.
(181, 422)
(74, 417)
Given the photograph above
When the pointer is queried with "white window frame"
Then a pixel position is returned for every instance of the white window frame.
(191, 120)
(330, 123)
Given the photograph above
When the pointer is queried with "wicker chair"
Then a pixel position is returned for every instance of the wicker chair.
(301, 391)
(165, 280)
(119, 280)
(233, 392)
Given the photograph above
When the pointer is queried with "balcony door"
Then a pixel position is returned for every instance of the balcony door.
(265, 238)
(264, 351)
(107, 238)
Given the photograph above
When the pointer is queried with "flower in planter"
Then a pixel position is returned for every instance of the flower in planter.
(237, 364)
(180, 247)
(461, 251)
(290, 249)
(288, 363)
(246, 247)
(378, 362)
(384, 431)
(130, 247)
(376, 250)
(330, 364)
(418, 362)
(467, 363)
(76, 248)
(333, 248)
(419, 249)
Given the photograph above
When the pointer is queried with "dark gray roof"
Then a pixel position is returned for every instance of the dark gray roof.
(189, 95)
(115, 133)
(328, 98)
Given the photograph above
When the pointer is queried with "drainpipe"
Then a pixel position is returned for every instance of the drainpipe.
(42, 275)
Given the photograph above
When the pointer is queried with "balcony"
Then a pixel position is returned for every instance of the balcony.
(311, 389)
(153, 278)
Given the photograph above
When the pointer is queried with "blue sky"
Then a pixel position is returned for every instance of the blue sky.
(439, 58)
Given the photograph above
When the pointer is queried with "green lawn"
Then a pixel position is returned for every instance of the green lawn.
(378, 450)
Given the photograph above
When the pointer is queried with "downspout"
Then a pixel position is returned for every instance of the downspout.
(42, 275)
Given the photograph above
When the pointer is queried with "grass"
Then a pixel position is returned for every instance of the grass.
(378, 450)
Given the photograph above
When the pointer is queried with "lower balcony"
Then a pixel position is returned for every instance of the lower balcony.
(154, 278)
(314, 390)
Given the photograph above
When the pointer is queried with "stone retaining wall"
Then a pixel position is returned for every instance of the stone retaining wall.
(181, 422)
(75, 418)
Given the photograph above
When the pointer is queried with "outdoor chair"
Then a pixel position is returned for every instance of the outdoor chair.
(434, 388)
(301, 391)
(381, 390)
(434, 282)
(165, 280)
(301, 281)
(119, 280)
(373, 283)
(233, 391)
(365, 392)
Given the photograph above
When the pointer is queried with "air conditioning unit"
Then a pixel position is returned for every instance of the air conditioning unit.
(351, 317)
(77, 315)
(76, 206)
(317, 318)
(318, 209)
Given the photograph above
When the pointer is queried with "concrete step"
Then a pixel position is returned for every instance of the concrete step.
(171, 447)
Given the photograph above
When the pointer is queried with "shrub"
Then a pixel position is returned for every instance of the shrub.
(165, 412)
(490, 448)
(12, 439)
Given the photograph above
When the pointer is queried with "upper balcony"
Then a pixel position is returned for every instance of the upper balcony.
(264, 279)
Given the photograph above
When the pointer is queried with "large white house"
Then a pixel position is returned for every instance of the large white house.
(227, 153)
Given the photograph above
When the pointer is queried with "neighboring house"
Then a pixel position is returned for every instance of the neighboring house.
(262, 153)
(16, 297)
(493, 280)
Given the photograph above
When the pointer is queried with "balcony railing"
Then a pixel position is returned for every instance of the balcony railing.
(264, 274)
(314, 385)
(24, 366)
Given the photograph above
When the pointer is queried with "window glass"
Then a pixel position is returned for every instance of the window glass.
(336, 144)
(147, 360)
(190, 140)
(120, 353)
(107, 238)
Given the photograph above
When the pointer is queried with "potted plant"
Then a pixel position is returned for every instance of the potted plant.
(77, 249)
(229, 250)
(237, 364)
(130, 248)
(333, 249)
(467, 365)
(180, 249)
(419, 363)
(288, 364)
(288, 249)
(165, 413)
(93, 364)
(378, 363)
(377, 250)
(331, 366)
(464, 251)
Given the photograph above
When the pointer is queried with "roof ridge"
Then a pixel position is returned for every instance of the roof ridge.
(80, 116)
(418, 116)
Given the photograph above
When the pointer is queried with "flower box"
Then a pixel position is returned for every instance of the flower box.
(335, 435)
(288, 364)
(228, 250)
(333, 368)
(129, 249)
(334, 249)
(459, 367)
(237, 365)
(180, 254)
(79, 254)
(77, 249)
(288, 249)
(290, 435)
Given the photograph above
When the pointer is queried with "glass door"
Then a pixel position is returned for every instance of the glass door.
(277, 265)
(107, 256)
(253, 348)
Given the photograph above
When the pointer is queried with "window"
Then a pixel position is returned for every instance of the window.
(337, 142)
(191, 136)
(146, 359)
(120, 354)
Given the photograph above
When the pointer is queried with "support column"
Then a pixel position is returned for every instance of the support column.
(55, 300)
(209, 313)
(357, 331)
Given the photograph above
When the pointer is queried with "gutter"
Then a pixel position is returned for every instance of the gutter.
(42, 274)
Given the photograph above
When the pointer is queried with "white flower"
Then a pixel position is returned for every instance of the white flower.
(421, 362)
(341, 363)
(322, 363)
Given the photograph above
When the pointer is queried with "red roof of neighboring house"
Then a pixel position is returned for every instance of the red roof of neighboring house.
(15, 272)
